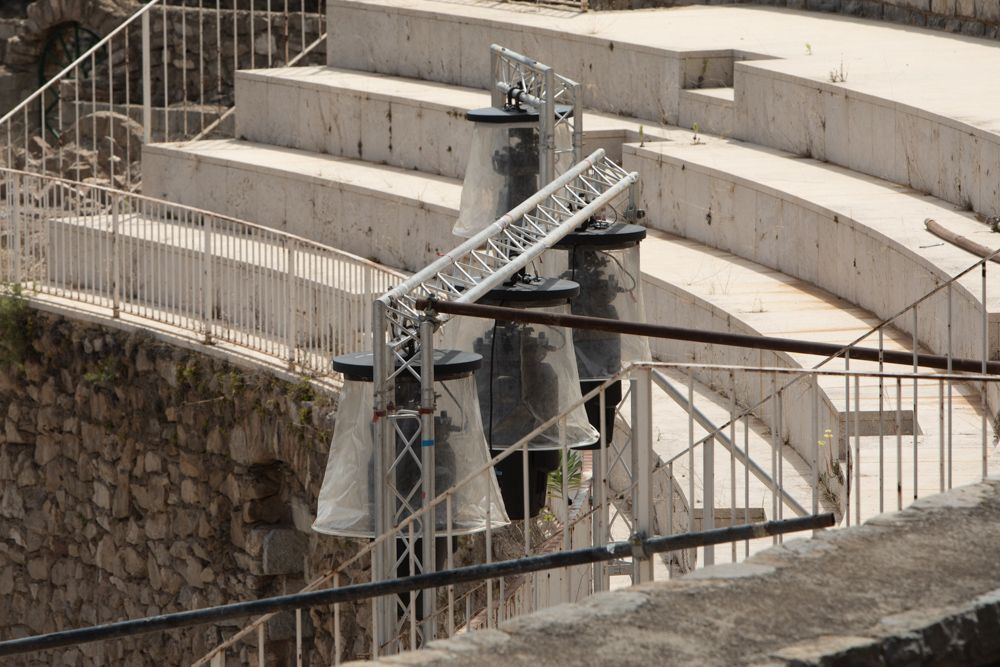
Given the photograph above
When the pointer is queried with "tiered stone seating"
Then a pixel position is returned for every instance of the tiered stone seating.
(366, 154)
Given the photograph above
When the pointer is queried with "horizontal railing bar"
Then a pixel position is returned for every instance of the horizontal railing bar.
(637, 547)
(712, 337)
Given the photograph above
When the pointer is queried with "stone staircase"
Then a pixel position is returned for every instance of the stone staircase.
(366, 154)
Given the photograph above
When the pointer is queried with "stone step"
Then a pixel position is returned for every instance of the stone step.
(807, 83)
(840, 230)
(401, 217)
(403, 122)
(709, 110)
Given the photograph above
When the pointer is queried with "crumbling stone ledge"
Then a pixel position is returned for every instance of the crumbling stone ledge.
(917, 587)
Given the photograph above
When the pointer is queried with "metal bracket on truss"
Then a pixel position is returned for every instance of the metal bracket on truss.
(558, 100)
(403, 343)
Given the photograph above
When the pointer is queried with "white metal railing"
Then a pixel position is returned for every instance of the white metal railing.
(165, 74)
(225, 280)
(660, 445)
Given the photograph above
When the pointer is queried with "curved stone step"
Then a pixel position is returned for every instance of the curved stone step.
(911, 110)
(828, 226)
(402, 122)
(401, 217)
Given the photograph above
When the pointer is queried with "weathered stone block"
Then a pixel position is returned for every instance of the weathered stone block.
(156, 526)
(102, 496)
(988, 10)
(190, 492)
(902, 15)
(973, 28)
(823, 5)
(12, 434)
(284, 552)
(46, 449)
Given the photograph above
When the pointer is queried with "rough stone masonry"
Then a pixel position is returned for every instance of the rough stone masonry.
(138, 478)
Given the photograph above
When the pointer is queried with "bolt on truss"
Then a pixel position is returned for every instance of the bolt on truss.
(558, 100)
(403, 344)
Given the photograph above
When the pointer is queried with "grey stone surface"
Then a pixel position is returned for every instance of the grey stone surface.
(918, 590)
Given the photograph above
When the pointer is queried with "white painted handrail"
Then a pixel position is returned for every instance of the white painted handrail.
(224, 279)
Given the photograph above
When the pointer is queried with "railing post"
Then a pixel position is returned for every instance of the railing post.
(642, 445)
(298, 638)
(147, 84)
(598, 494)
(708, 494)
(115, 258)
(427, 467)
(291, 305)
(207, 288)
(16, 217)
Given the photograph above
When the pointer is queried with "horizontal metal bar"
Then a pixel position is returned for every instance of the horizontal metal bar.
(459, 575)
(519, 58)
(702, 336)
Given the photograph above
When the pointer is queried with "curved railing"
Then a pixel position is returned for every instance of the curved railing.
(127, 256)
(165, 74)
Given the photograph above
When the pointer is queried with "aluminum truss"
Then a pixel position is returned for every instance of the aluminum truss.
(558, 100)
(403, 343)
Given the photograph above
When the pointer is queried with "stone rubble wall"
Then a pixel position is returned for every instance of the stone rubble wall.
(977, 18)
(137, 478)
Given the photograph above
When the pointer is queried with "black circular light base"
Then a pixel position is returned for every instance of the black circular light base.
(532, 293)
(603, 237)
(448, 364)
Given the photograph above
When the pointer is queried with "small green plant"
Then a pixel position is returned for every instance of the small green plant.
(302, 391)
(695, 128)
(839, 74)
(188, 373)
(104, 373)
(574, 470)
(17, 326)
(809, 49)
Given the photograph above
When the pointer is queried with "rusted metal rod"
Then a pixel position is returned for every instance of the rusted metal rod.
(794, 345)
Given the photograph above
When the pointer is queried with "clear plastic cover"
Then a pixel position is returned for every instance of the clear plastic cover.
(528, 376)
(610, 287)
(501, 173)
(346, 504)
